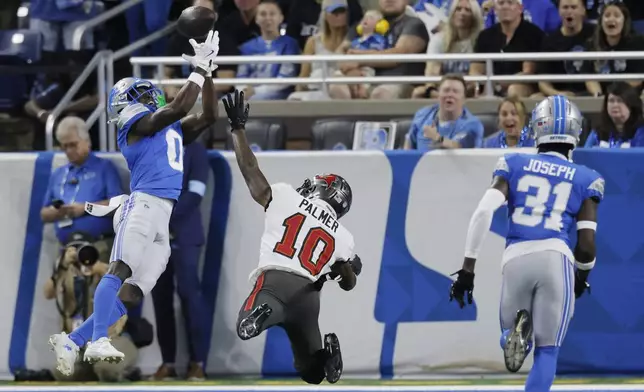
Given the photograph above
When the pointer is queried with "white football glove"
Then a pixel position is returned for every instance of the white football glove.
(205, 53)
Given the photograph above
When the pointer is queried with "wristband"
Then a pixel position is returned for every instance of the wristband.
(197, 79)
(585, 266)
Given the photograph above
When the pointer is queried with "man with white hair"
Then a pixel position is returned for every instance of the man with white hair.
(85, 178)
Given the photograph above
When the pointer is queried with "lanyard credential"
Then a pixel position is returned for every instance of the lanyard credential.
(62, 187)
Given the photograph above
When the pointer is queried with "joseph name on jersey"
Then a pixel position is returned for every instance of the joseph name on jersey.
(155, 162)
(301, 236)
(546, 192)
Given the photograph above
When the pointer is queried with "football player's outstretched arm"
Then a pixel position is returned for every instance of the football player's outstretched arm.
(237, 112)
(585, 248)
(179, 108)
(194, 124)
(481, 220)
(175, 110)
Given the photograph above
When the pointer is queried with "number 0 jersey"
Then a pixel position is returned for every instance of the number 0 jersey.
(155, 162)
(301, 236)
(546, 192)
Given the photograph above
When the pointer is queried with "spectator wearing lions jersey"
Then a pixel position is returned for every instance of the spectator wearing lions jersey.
(286, 289)
(269, 18)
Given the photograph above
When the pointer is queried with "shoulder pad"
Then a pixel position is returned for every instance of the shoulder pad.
(130, 112)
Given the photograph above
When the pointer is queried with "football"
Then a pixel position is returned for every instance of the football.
(196, 22)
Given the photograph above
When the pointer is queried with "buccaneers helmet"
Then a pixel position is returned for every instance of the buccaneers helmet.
(331, 188)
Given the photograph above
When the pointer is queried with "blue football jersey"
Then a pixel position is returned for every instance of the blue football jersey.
(155, 162)
(282, 46)
(546, 192)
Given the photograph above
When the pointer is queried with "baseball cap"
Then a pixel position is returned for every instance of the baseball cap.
(333, 5)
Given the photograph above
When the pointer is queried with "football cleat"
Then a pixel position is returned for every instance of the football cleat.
(333, 365)
(102, 350)
(518, 342)
(66, 352)
(251, 325)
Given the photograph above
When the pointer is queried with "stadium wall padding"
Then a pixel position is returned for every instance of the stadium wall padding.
(409, 218)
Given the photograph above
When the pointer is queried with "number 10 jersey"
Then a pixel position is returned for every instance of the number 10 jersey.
(545, 194)
(301, 236)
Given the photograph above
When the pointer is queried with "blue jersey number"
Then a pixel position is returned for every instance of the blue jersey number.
(539, 203)
(175, 149)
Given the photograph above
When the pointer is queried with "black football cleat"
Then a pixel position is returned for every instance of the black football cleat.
(333, 365)
(518, 342)
(251, 325)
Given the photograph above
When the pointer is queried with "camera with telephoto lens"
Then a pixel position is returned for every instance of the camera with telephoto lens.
(86, 252)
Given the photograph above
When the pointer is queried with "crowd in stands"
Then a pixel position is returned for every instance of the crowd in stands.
(321, 27)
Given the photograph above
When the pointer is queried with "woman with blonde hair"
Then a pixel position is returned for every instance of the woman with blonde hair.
(459, 36)
(513, 131)
(333, 29)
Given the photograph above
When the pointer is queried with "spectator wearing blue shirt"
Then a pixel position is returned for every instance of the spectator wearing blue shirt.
(542, 13)
(622, 122)
(448, 124)
(85, 178)
(56, 20)
(269, 19)
(187, 233)
(513, 132)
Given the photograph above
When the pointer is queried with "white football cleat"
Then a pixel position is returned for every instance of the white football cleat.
(66, 352)
(102, 350)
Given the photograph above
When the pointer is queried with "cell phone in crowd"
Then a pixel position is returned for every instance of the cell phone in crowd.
(57, 203)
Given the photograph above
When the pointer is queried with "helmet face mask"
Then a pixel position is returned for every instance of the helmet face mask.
(330, 188)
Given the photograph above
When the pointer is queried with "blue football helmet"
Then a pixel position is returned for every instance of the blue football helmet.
(133, 90)
(556, 120)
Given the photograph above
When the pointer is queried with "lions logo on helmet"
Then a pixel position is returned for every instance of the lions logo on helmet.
(556, 120)
(330, 188)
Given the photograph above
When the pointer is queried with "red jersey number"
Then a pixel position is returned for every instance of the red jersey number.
(315, 236)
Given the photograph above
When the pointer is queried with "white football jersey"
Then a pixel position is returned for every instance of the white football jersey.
(301, 236)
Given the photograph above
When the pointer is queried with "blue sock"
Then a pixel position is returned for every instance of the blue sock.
(104, 301)
(504, 337)
(83, 333)
(542, 374)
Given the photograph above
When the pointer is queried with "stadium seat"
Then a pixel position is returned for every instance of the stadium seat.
(332, 134)
(262, 135)
(490, 123)
(17, 48)
(402, 128)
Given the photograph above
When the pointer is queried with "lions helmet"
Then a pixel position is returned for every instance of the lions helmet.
(556, 120)
(133, 90)
(330, 188)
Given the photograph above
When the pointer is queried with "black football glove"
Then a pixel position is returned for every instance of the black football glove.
(236, 109)
(463, 285)
(356, 265)
(581, 284)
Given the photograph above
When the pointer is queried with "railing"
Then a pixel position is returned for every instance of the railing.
(488, 58)
(79, 32)
(98, 62)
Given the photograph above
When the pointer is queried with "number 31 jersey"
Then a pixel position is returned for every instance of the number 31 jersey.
(155, 162)
(301, 236)
(546, 192)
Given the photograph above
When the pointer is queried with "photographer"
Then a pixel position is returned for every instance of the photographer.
(85, 178)
(72, 284)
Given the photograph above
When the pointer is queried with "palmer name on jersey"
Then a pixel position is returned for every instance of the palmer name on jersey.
(301, 236)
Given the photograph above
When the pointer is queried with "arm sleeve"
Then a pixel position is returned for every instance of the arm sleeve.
(502, 169)
(481, 221)
(596, 188)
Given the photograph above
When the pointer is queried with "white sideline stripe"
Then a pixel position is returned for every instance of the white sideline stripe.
(291, 388)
